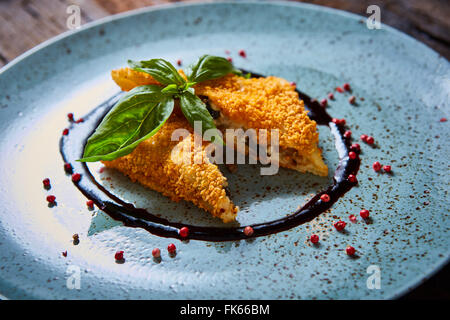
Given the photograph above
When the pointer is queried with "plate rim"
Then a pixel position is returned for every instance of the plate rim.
(401, 291)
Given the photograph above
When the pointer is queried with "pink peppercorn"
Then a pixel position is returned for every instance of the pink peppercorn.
(323, 103)
(179, 62)
(67, 167)
(184, 232)
(248, 231)
(347, 134)
(229, 59)
(294, 84)
(364, 213)
(352, 218)
(350, 250)
(156, 253)
(64, 253)
(363, 137)
(314, 238)
(171, 248)
(65, 132)
(70, 116)
(376, 166)
(79, 120)
(325, 197)
(352, 178)
(342, 122)
(370, 140)
(339, 89)
(242, 53)
(51, 199)
(387, 168)
(46, 182)
(346, 86)
(118, 256)
(76, 177)
(340, 225)
(443, 120)
(90, 204)
(331, 96)
(352, 155)
(356, 147)
(352, 99)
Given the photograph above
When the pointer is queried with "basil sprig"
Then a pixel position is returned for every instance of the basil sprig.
(141, 112)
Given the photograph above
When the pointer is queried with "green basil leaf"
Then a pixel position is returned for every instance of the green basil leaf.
(194, 109)
(163, 71)
(211, 67)
(136, 117)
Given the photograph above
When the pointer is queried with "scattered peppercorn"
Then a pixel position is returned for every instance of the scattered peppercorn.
(355, 147)
(179, 62)
(352, 99)
(294, 84)
(339, 89)
(350, 250)
(347, 134)
(323, 103)
(242, 53)
(248, 231)
(364, 213)
(325, 197)
(90, 204)
(156, 253)
(352, 155)
(376, 166)
(119, 255)
(370, 140)
(340, 225)
(352, 218)
(46, 183)
(171, 248)
(70, 116)
(346, 86)
(443, 120)
(79, 120)
(64, 253)
(352, 178)
(363, 137)
(387, 169)
(67, 167)
(76, 177)
(229, 59)
(331, 96)
(65, 132)
(51, 199)
(184, 232)
(314, 238)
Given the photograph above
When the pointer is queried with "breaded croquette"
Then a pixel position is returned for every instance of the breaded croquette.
(160, 164)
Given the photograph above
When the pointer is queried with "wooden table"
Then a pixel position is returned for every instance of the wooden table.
(26, 23)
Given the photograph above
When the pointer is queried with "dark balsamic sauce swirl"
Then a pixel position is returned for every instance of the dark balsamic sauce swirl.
(72, 146)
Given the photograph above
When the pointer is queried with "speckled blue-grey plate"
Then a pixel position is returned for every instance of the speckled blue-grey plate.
(402, 89)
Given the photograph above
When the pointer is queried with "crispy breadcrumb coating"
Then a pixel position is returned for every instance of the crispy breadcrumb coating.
(263, 103)
(153, 165)
(127, 78)
(268, 103)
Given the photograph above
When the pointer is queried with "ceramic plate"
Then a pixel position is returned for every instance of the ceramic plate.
(402, 89)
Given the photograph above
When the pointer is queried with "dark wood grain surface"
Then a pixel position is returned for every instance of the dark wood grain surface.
(26, 23)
